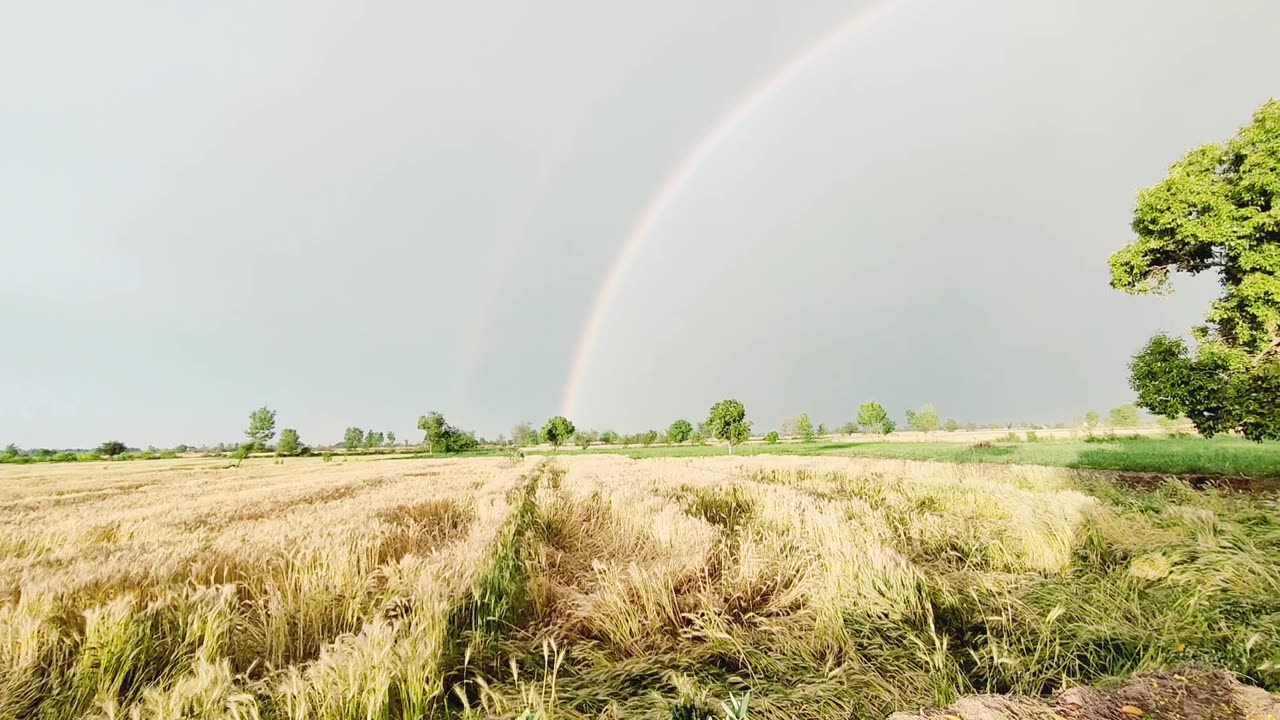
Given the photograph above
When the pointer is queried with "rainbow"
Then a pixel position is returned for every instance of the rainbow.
(677, 179)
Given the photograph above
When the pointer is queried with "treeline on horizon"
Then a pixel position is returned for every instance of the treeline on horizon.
(726, 423)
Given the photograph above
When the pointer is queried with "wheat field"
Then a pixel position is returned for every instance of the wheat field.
(600, 586)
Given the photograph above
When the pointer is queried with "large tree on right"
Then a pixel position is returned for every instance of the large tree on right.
(1218, 211)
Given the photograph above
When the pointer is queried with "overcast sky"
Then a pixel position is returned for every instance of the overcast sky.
(358, 212)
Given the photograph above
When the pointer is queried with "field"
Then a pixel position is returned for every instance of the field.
(603, 586)
(1225, 456)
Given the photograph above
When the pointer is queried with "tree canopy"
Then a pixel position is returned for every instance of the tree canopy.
(923, 420)
(680, 431)
(262, 427)
(1217, 211)
(804, 428)
(352, 438)
(728, 421)
(289, 443)
(440, 436)
(557, 430)
(871, 416)
(1123, 415)
(110, 448)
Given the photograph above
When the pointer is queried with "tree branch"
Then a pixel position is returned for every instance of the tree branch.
(1275, 343)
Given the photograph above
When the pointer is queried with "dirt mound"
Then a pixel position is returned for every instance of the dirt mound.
(1183, 695)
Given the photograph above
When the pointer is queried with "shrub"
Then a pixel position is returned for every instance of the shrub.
(772, 438)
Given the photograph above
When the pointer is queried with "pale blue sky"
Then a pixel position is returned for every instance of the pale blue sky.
(357, 213)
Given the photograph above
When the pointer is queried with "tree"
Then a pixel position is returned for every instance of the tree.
(352, 438)
(584, 438)
(727, 421)
(848, 428)
(523, 435)
(923, 420)
(110, 448)
(772, 437)
(680, 431)
(804, 428)
(11, 451)
(888, 426)
(951, 425)
(649, 438)
(373, 438)
(440, 436)
(608, 437)
(434, 429)
(1124, 415)
(1215, 212)
(871, 416)
(822, 430)
(1091, 421)
(391, 438)
(289, 443)
(262, 427)
(557, 430)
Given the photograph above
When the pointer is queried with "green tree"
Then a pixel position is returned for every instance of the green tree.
(822, 430)
(608, 437)
(352, 438)
(1091, 419)
(434, 429)
(848, 428)
(680, 431)
(557, 430)
(951, 425)
(649, 438)
(1215, 212)
(262, 427)
(110, 448)
(1123, 415)
(888, 426)
(584, 438)
(772, 437)
(391, 438)
(871, 416)
(440, 436)
(289, 443)
(373, 438)
(923, 420)
(727, 421)
(804, 428)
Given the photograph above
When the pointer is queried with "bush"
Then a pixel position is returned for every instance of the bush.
(1012, 437)
(772, 438)
(1032, 436)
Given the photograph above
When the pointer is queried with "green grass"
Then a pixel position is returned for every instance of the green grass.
(1182, 456)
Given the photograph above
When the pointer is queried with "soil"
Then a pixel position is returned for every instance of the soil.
(1188, 694)
(1151, 480)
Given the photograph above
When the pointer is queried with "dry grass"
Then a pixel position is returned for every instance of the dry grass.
(597, 586)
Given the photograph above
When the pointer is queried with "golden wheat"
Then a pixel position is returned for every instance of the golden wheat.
(597, 586)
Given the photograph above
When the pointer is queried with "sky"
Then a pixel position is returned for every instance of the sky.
(356, 213)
